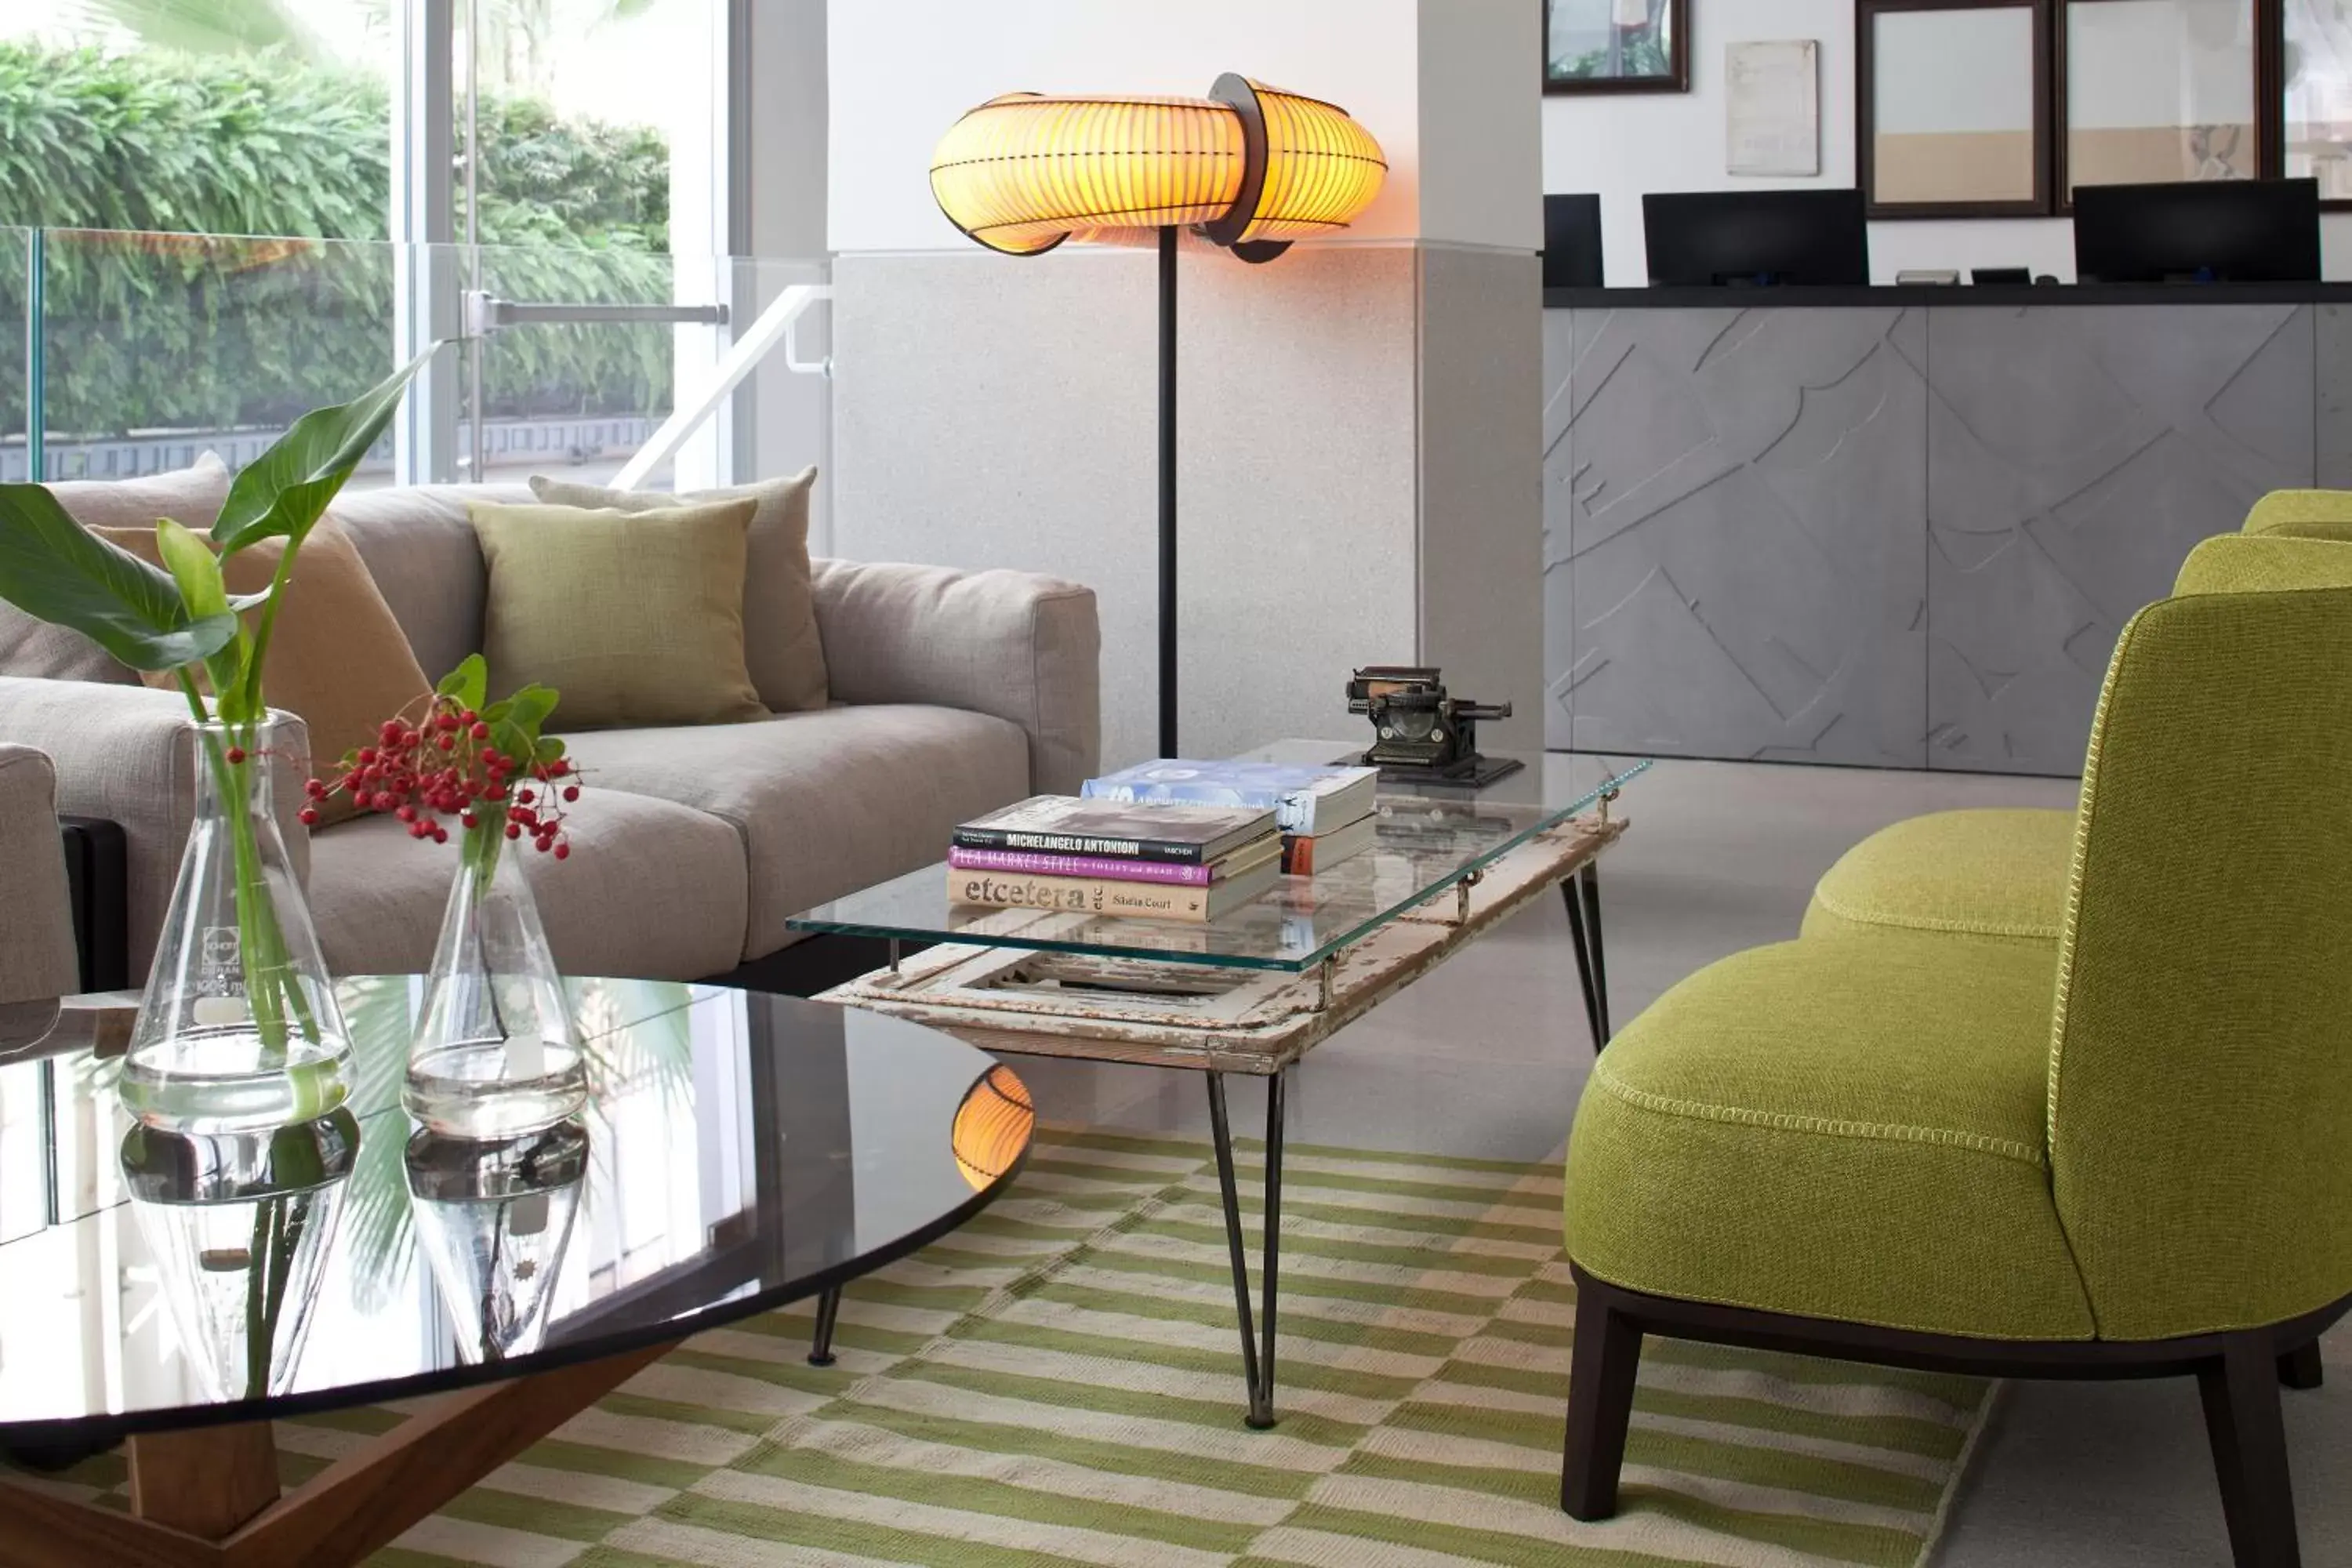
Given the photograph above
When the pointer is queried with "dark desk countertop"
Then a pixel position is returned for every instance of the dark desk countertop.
(1918, 294)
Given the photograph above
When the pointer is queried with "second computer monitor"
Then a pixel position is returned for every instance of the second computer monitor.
(1702, 237)
(2235, 231)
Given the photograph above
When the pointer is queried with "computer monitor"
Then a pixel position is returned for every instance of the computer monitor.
(1572, 251)
(2234, 231)
(1704, 237)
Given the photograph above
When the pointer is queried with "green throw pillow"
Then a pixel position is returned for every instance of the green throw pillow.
(635, 617)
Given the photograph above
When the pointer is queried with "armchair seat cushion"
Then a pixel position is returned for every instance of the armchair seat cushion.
(1997, 874)
(1846, 1129)
(826, 802)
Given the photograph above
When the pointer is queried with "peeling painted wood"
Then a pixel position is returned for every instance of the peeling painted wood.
(1194, 1015)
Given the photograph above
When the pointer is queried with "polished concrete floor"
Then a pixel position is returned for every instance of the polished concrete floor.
(1488, 1057)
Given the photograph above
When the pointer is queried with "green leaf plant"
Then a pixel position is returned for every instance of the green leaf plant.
(181, 617)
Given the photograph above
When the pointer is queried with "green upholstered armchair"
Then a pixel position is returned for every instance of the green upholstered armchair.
(2304, 514)
(2002, 874)
(2124, 1154)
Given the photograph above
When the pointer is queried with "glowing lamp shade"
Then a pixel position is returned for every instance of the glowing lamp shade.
(1249, 166)
(992, 1126)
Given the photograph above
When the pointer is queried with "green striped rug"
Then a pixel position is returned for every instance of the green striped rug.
(1058, 1383)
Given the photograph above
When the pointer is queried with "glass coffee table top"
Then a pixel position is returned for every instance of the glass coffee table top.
(738, 1151)
(1428, 839)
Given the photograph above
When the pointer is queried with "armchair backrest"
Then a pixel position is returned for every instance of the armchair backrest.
(2201, 1073)
(2303, 514)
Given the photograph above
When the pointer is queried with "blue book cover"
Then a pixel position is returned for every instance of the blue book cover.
(1304, 800)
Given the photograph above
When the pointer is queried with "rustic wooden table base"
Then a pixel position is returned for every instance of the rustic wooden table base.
(209, 1498)
(1257, 1023)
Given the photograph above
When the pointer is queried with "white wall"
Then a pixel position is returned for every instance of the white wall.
(1622, 145)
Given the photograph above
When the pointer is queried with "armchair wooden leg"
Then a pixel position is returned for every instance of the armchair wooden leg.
(2300, 1369)
(1607, 1353)
(2243, 1417)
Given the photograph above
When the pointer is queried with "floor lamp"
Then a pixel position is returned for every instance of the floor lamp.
(1249, 168)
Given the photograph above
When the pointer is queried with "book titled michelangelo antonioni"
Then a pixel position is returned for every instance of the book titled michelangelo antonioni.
(1063, 825)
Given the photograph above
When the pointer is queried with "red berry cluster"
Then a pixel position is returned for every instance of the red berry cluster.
(445, 765)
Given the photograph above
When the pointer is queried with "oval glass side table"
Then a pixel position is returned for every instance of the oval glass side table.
(738, 1151)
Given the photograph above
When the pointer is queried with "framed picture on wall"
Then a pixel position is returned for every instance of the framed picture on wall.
(1616, 45)
(1952, 114)
(2159, 90)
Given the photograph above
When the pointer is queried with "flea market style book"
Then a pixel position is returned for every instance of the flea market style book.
(1064, 825)
(1030, 863)
(1303, 800)
(1138, 900)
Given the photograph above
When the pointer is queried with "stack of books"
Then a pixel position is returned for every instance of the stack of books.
(1325, 814)
(1189, 863)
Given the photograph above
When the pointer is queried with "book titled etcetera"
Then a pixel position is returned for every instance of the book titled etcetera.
(1303, 799)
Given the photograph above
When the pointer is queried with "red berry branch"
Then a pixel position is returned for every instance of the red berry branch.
(483, 764)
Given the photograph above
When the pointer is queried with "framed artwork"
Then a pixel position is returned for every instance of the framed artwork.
(2315, 91)
(1772, 111)
(1952, 112)
(2159, 91)
(1616, 45)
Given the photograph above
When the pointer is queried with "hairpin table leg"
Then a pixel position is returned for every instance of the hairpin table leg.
(1257, 1330)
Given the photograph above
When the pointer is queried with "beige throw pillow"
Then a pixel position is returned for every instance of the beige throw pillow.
(336, 656)
(780, 637)
(191, 496)
(635, 618)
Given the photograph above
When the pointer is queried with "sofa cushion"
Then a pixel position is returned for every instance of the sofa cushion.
(826, 803)
(419, 546)
(1850, 1130)
(635, 618)
(1998, 873)
(780, 636)
(651, 891)
(191, 496)
(336, 655)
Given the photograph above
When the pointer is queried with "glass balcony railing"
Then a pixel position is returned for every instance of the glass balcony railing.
(128, 353)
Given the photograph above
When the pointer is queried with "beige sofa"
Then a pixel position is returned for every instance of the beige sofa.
(953, 692)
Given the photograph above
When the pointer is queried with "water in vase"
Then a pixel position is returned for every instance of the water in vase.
(495, 1088)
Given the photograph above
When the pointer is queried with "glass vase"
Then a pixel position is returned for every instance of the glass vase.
(493, 1055)
(494, 1220)
(238, 1028)
(238, 1226)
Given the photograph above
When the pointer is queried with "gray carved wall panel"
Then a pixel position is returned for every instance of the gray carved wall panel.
(1733, 507)
(2075, 455)
(1892, 537)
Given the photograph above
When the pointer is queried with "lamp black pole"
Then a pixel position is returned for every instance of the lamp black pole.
(1168, 493)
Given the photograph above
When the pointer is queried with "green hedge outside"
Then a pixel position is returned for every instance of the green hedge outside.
(155, 329)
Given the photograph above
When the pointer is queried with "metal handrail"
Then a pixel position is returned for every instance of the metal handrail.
(779, 324)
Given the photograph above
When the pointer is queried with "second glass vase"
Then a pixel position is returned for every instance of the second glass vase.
(493, 1055)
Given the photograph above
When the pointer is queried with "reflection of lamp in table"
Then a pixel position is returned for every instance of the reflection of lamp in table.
(993, 1126)
(1251, 168)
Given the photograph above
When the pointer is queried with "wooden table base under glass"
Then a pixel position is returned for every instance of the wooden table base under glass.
(1252, 993)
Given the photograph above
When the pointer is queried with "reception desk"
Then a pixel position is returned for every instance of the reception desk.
(1901, 527)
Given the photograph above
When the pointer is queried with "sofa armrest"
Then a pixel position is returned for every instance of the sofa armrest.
(126, 754)
(37, 958)
(1008, 643)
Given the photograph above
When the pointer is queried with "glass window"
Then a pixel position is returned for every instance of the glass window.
(2159, 90)
(214, 182)
(2318, 74)
(578, 167)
